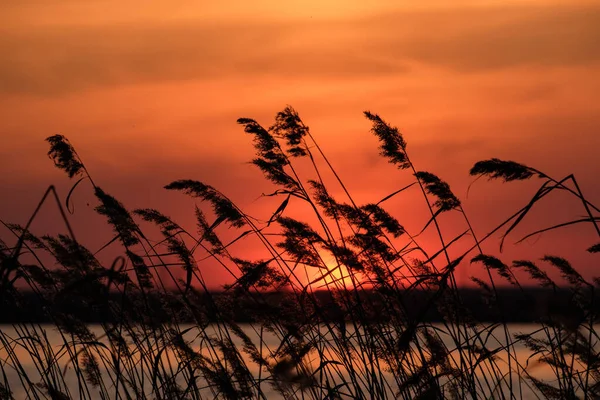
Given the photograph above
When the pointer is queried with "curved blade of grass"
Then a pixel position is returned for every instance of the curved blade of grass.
(578, 221)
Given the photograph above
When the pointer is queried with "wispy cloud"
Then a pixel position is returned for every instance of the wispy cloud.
(72, 58)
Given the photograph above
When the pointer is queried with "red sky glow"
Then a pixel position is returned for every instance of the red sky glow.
(150, 93)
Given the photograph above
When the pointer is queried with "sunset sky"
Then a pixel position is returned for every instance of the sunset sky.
(149, 92)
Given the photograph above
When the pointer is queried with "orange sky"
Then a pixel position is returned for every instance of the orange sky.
(150, 93)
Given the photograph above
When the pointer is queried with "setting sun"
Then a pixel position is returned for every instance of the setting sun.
(335, 276)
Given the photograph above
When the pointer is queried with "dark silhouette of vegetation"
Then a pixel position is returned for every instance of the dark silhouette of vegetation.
(339, 309)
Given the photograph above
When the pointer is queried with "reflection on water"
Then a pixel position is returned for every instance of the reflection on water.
(15, 345)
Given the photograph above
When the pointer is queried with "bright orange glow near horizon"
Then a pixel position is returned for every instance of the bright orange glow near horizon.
(334, 277)
(150, 92)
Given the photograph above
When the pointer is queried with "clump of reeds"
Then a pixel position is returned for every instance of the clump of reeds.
(313, 328)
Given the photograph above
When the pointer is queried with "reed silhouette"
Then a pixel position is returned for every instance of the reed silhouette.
(165, 335)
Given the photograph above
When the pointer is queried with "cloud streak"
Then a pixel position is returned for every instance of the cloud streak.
(46, 61)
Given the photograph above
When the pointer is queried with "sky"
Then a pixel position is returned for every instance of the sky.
(150, 92)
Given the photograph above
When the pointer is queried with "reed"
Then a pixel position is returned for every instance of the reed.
(341, 325)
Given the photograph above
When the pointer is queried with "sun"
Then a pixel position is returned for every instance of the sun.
(333, 276)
